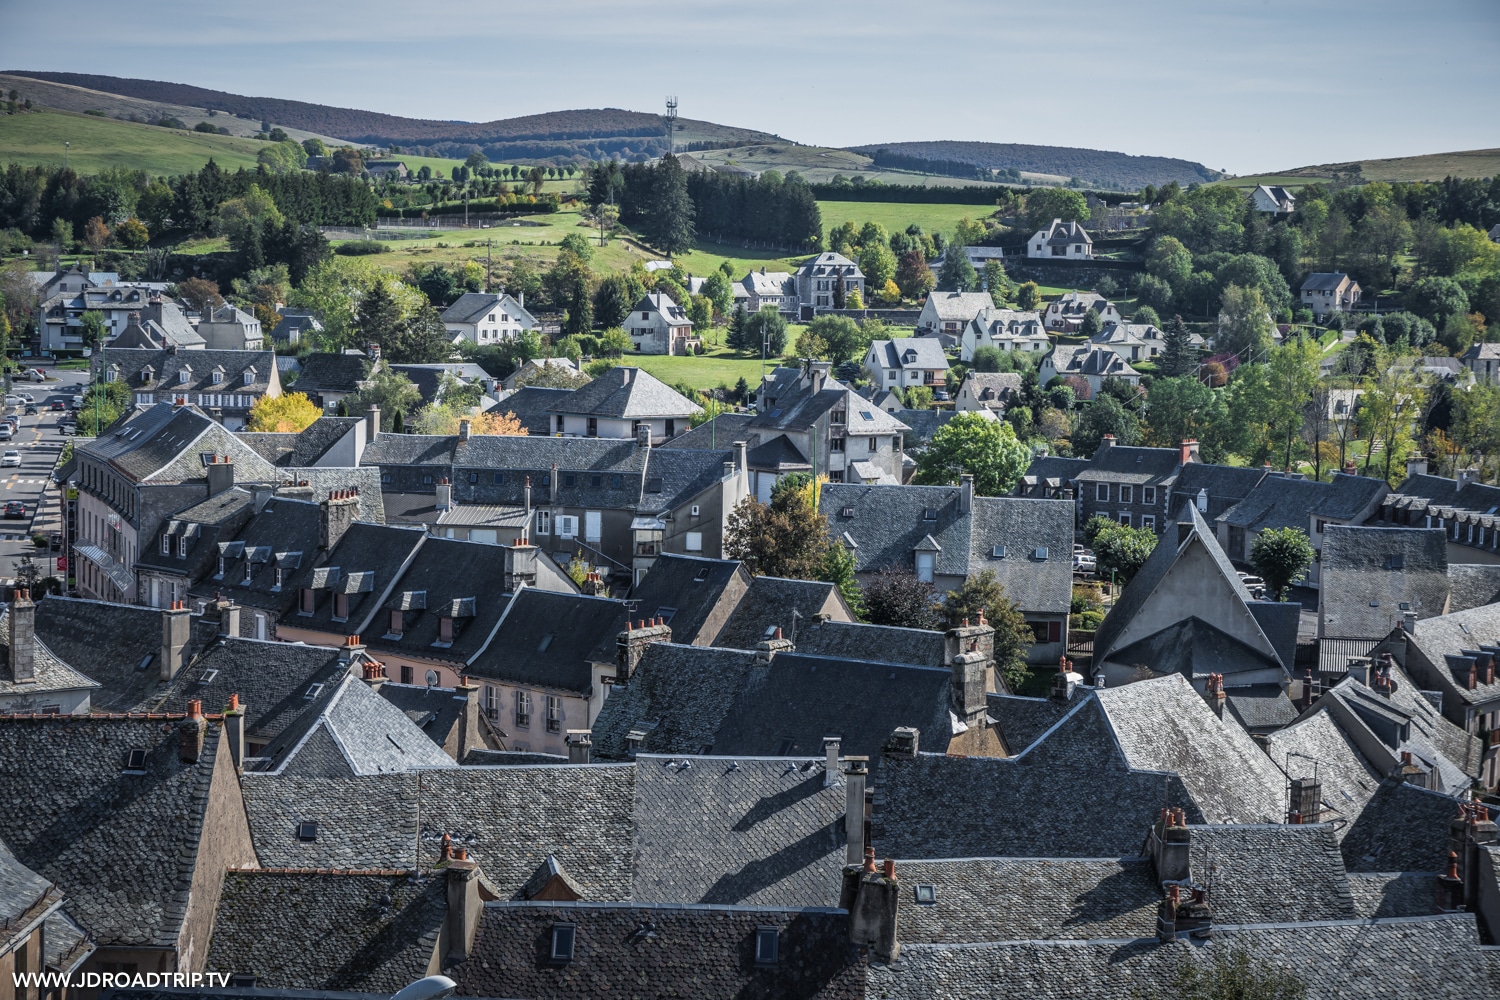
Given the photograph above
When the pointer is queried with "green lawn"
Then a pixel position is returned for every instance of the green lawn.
(896, 216)
(704, 372)
(100, 143)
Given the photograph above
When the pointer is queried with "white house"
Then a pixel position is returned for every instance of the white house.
(230, 329)
(1326, 292)
(1005, 330)
(657, 325)
(950, 312)
(762, 288)
(486, 318)
(1089, 362)
(1136, 341)
(1275, 199)
(897, 364)
(1061, 239)
(1066, 313)
(817, 278)
(986, 391)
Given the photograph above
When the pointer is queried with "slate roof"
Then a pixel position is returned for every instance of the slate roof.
(829, 262)
(117, 645)
(680, 951)
(1433, 957)
(328, 372)
(122, 846)
(300, 323)
(1121, 463)
(722, 430)
(205, 524)
(629, 393)
(364, 562)
(315, 483)
(270, 678)
(695, 594)
(1398, 894)
(784, 403)
(437, 711)
(1442, 641)
(1321, 281)
(1371, 577)
(1402, 828)
(303, 448)
(533, 406)
(283, 536)
(1260, 706)
(916, 353)
(1024, 720)
(353, 731)
(993, 387)
(545, 639)
(771, 602)
(1267, 873)
(167, 444)
(508, 818)
(1224, 486)
(202, 366)
(24, 896)
(1023, 527)
(1283, 502)
(1165, 725)
(1190, 647)
(1473, 585)
(366, 932)
(1089, 359)
(1428, 735)
(470, 306)
(428, 378)
(959, 305)
(747, 831)
(50, 676)
(875, 643)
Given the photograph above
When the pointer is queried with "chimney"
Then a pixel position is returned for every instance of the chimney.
(903, 743)
(552, 484)
(444, 487)
(1169, 844)
(1307, 801)
(971, 670)
(1467, 476)
(631, 645)
(374, 352)
(520, 566)
(468, 733)
(1105, 443)
(372, 672)
(351, 650)
(1305, 699)
(643, 434)
(229, 619)
(22, 638)
(526, 495)
(335, 516)
(176, 627)
(464, 904)
(1214, 689)
(830, 759)
(234, 730)
(1360, 668)
(856, 772)
(1471, 831)
(1189, 451)
(190, 733)
(580, 746)
(593, 584)
(965, 493)
(220, 474)
(740, 462)
(372, 422)
(463, 430)
(766, 649)
(871, 897)
(1067, 681)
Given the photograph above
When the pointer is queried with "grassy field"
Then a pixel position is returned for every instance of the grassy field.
(705, 372)
(100, 143)
(1429, 167)
(895, 216)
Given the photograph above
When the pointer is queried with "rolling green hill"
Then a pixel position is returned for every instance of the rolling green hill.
(100, 143)
(1468, 163)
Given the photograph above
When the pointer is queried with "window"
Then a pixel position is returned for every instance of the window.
(218, 378)
(305, 601)
(593, 526)
(1148, 495)
(1101, 491)
(671, 427)
(260, 625)
(135, 760)
(544, 522)
(554, 714)
(837, 419)
(183, 375)
(926, 895)
(836, 444)
(570, 479)
(491, 702)
(398, 624)
(694, 510)
(1040, 553)
(559, 423)
(340, 607)
(596, 481)
(616, 482)
(280, 578)
(562, 944)
(523, 708)
(313, 690)
(1148, 521)
(693, 541)
(249, 378)
(1127, 494)
(407, 675)
(499, 479)
(307, 830)
(767, 942)
(998, 552)
(166, 545)
(445, 630)
(567, 525)
(473, 478)
(929, 513)
(1125, 518)
(925, 561)
(1038, 631)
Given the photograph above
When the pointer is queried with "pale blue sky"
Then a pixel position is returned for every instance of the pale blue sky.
(1247, 85)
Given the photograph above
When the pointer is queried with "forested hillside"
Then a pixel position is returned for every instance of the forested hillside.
(1094, 167)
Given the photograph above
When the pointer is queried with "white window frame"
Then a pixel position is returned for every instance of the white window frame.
(1148, 495)
(1101, 492)
(593, 526)
(693, 541)
(567, 525)
(544, 522)
(926, 566)
(1127, 493)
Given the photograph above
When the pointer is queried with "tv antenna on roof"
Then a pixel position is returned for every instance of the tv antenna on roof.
(671, 122)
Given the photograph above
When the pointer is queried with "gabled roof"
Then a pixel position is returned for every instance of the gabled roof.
(544, 640)
(166, 367)
(1280, 501)
(914, 353)
(763, 282)
(993, 388)
(771, 603)
(694, 594)
(121, 844)
(283, 537)
(786, 403)
(1473, 585)
(471, 307)
(1063, 233)
(533, 406)
(364, 562)
(958, 305)
(302, 448)
(627, 393)
(328, 372)
(355, 732)
(1324, 281)
(370, 932)
(1372, 577)
(50, 678)
(1403, 828)
(451, 578)
(828, 262)
(663, 305)
(1222, 486)
(874, 643)
(1089, 359)
(1444, 639)
(1318, 746)
(1120, 463)
(118, 645)
(1008, 536)
(429, 378)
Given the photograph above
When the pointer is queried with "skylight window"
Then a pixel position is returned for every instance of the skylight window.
(546, 641)
(313, 692)
(926, 894)
(929, 513)
(867, 414)
(563, 937)
(145, 661)
(1041, 552)
(136, 760)
(998, 552)
(666, 614)
(847, 512)
(209, 676)
(702, 575)
(767, 945)
(307, 830)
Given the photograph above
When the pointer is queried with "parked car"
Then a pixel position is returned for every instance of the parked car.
(6, 433)
(15, 510)
(10, 460)
(1085, 563)
(36, 375)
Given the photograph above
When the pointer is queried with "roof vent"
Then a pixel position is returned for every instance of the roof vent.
(926, 894)
(1041, 553)
(702, 575)
(929, 513)
(998, 552)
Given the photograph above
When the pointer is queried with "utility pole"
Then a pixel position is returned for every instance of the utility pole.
(489, 264)
(65, 154)
(671, 125)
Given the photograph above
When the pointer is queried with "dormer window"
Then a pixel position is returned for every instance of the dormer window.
(183, 375)
(340, 607)
(112, 374)
(445, 629)
(249, 570)
(148, 375)
(398, 624)
(218, 376)
(280, 576)
(182, 546)
(305, 603)
(219, 570)
(250, 376)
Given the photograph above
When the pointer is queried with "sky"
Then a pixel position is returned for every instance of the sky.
(1247, 86)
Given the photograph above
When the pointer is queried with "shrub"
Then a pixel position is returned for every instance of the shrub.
(360, 248)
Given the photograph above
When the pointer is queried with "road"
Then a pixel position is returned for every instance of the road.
(39, 440)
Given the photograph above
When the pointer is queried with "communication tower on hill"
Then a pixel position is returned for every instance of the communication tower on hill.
(671, 122)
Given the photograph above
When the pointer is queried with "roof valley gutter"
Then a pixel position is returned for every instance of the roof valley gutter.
(496, 630)
(386, 593)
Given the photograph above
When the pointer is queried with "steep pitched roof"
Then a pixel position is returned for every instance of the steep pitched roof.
(1280, 501)
(330, 372)
(885, 524)
(874, 643)
(117, 645)
(51, 675)
(546, 639)
(471, 306)
(1371, 578)
(771, 603)
(370, 932)
(170, 444)
(917, 353)
(959, 305)
(628, 393)
(1219, 486)
(167, 368)
(533, 406)
(1324, 281)
(1444, 639)
(1318, 746)
(1008, 536)
(1128, 464)
(1402, 828)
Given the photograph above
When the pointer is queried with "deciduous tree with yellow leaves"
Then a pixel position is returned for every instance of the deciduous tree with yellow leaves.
(284, 414)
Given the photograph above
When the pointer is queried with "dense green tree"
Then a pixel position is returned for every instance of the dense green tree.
(983, 594)
(1244, 324)
(1170, 261)
(614, 300)
(913, 276)
(1437, 299)
(768, 327)
(838, 569)
(1178, 355)
(997, 283)
(986, 449)
(420, 339)
(786, 537)
(1045, 204)
(1281, 556)
(896, 597)
(1183, 407)
(671, 227)
(735, 339)
(957, 274)
(1250, 270)
(844, 337)
(1153, 292)
(1121, 550)
(1104, 415)
(1146, 314)
(878, 264)
(378, 314)
(1029, 297)
(986, 359)
(391, 390)
(718, 290)
(1091, 324)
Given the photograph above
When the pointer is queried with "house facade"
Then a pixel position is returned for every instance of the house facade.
(1065, 314)
(818, 278)
(950, 313)
(1328, 292)
(624, 403)
(900, 364)
(658, 325)
(762, 288)
(486, 318)
(1273, 198)
(1065, 240)
(986, 391)
(1090, 362)
(1004, 330)
(228, 328)
(225, 384)
(1484, 361)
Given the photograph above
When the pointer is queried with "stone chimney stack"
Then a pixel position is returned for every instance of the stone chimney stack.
(871, 896)
(766, 649)
(464, 905)
(580, 746)
(969, 649)
(1307, 801)
(22, 638)
(965, 493)
(1169, 844)
(463, 429)
(469, 737)
(520, 566)
(831, 746)
(229, 619)
(220, 471)
(1189, 451)
(593, 584)
(176, 628)
(351, 650)
(740, 462)
(856, 773)
(643, 434)
(1360, 668)
(234, 730)
(1416, 466)
(336, 514)
(1106, 442)
(372, 673)
(1471, 831)
(632, 644)
(1213, 689)
(372, 423)
(190, 733)
(445, 492)
(1067, 681)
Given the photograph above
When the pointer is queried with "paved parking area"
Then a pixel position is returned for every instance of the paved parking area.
(39, 441)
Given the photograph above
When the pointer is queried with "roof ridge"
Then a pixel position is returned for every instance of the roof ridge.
(247, 870)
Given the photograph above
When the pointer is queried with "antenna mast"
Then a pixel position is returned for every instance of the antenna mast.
(671, 122)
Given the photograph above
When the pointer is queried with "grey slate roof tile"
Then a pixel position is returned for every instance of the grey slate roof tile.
(1399, 894)
(1318, 744)
(627, 393)
(372, 933)
(269, 677)
(1272, 873)
(770, 602)
(545, 639)
(875, 643)
(107, 643)
(1023, 721)
(1403, 828)
(323, 371)
(1371, 577)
